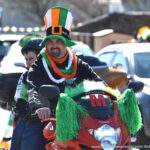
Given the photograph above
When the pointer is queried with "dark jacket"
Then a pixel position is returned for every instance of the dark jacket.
(38, 76)
(21, 89)
(21, 97)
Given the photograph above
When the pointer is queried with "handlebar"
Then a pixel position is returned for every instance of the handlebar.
(112, 97)
(35, 117)
(49, 92)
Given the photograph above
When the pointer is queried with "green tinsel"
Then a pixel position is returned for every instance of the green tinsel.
(70, 70)
(74, 91)
(68, 118)
(69, 113)
(129, 111)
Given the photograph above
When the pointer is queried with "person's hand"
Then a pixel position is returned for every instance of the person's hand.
(43, 113)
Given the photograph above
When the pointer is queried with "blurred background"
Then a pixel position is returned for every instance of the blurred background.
(97, 22)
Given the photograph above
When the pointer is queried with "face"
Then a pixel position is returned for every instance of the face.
(56, 48)
(30, 58)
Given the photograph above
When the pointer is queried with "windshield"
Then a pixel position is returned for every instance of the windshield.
(142, 64)
(82, 49)
(14, 56)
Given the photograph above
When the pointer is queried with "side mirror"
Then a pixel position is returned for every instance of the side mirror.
(19, 64)
(137, 86)
(118, 66)
(49, 91)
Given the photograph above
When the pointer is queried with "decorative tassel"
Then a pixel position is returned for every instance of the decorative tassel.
(129, 111)
(68, 118)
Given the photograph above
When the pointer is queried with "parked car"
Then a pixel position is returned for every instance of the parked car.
(82, 49)
(133, 59)
(6, 40)
(10, 72)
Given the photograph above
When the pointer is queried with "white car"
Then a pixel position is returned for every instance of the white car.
(11, 68)
(134, 59)
(6, 40)
(82, 49)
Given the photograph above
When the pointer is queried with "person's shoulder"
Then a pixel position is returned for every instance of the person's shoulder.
(81, 61)
(23, 74)
(39, 59)
(37, 65)
(92, 61)
(38, 62)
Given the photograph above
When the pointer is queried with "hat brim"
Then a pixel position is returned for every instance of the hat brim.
(66, 41)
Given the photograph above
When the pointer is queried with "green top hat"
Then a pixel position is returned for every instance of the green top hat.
(58, 23)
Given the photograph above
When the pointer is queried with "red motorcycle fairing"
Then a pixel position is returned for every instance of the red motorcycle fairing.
(86, 137)
(49, 130)
(63, 145)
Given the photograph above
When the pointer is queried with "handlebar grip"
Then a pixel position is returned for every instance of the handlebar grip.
(35, 117)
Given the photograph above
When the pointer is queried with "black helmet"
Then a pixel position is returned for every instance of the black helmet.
(32, 45)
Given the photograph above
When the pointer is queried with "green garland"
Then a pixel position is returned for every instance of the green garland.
(69, 71)
(72, 92)
(69, 113)
(68, 118)
(129, 111)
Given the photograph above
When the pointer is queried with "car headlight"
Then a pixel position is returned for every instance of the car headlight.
(108, 137)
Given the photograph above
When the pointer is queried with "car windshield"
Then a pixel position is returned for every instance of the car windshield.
(14, 56)
(142, 64)
(82, 49)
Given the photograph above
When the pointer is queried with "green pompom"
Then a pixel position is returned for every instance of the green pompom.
(74, 91)
(129, 111)
(68, 118)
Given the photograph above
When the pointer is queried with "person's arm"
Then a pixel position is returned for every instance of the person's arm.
(86, 72)
(37, 104)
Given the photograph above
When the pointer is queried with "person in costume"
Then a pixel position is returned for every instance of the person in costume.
(143, 34)
(57, 64)
(30, 49)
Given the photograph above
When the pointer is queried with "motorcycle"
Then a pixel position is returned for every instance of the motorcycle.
(101, 129)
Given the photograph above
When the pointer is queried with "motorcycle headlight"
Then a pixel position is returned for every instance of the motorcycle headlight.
(108, 137)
